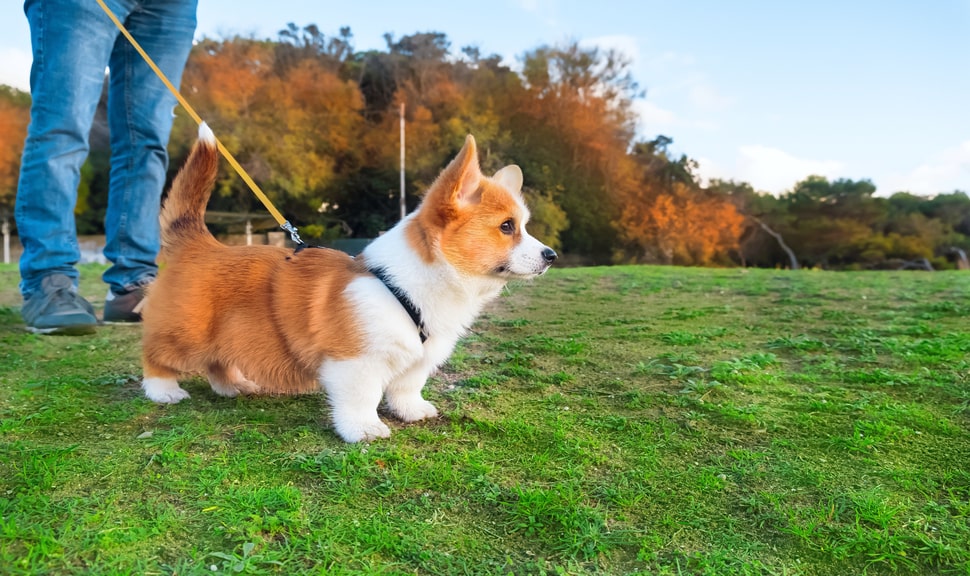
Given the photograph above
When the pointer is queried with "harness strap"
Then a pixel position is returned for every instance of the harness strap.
(405, 301)
(396, 291)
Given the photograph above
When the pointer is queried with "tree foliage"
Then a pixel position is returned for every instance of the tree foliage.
(315, 122)
(843, 224)
(14, 117)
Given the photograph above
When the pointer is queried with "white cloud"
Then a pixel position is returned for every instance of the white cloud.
(948, 171)
(674, 60)
(707, 98)
(773, 170)
(680, 85)
(626, 45)
(529, 5)
(653, 117)
(546, 10)
(15, 68)
(707, 170)
(690, 98)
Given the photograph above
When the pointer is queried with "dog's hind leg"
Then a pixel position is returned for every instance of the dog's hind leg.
(160, 384)
(230, 381)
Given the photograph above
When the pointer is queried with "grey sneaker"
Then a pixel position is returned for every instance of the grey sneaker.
(124, 307)
(58, 309)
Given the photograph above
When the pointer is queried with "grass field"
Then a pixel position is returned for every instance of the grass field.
(631, 420)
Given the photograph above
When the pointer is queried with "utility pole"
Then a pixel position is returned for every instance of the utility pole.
(403, 205)
(6, 241)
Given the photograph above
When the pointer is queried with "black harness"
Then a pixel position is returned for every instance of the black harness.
(397, 291)
(403, 298)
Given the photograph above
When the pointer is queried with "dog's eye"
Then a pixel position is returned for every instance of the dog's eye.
(508, 227)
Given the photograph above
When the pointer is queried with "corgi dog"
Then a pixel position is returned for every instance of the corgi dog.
(273, 321)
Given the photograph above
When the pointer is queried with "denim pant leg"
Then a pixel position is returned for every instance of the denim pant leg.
(71, 43)
(140, 113)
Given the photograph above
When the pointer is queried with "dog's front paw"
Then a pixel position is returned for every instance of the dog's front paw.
(413, 410)
(361, 431)
(163, 390)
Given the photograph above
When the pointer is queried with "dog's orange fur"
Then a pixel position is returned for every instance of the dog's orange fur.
(273, 324)
(466, 219)
(264, 311)
(263, 320)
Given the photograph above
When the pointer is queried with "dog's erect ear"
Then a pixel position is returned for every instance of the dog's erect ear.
(465, 175)
(510, 177)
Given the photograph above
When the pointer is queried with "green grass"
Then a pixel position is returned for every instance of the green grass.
(630, 420)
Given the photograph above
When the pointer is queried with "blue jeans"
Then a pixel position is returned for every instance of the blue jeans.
(73, 42)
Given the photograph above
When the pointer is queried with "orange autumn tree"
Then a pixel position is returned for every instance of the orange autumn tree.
(571, 124)
(285, 113)
(14, 117)
(682, 226)
(437, 106)
(666, 217)
(224, 81)
(316, 124)
(316, 118)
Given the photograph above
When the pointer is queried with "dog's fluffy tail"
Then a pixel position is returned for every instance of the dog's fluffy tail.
(183, 214)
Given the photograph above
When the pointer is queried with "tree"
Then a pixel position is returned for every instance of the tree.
(293, 123)
(760, 243)
(683, 225)
(571, 127)
(315, 123)
(14, 117)
(952, 209)
(831, 223)
(296, 45)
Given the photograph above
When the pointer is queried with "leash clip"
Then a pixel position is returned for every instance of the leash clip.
(292, 230)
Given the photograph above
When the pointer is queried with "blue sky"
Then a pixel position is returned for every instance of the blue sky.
(756, 90)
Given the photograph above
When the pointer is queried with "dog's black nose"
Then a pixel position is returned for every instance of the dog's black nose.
(549, 255)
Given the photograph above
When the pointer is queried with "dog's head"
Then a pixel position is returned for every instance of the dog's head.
(478, 222)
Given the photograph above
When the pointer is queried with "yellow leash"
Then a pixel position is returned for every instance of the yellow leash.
(283, 222)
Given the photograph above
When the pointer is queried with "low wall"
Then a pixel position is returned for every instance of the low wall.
(92, 247)
(92, 250)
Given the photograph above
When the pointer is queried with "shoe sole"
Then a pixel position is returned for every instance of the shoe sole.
(78, 330)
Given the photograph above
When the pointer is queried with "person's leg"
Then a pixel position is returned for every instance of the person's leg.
(71, 42)
(140, 113)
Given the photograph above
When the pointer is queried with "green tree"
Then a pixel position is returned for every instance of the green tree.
(952, 209)
(831, 222)
(760, 244)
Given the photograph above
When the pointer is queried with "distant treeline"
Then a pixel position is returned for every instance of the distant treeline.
(315, 122)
